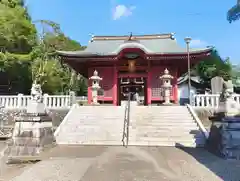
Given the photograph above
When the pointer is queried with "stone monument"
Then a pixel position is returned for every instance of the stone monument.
(216, 85)
(224, 137)
(33, 130)
(227, 105)
(95, 87)
(166, 86)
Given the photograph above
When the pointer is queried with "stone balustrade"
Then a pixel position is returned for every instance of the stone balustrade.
(209, 100)
(20, 101)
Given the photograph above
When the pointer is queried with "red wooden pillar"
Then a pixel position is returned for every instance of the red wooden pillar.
(115, 81)
(89, 87)
(149, 87)
(175, 88)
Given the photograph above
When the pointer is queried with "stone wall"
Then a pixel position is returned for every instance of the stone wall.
(56, 115)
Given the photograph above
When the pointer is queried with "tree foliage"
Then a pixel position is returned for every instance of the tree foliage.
(27, 55)
(236, 74)
(17, 32)
(214, 66)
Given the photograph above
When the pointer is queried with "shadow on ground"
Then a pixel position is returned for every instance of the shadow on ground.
(227, 170)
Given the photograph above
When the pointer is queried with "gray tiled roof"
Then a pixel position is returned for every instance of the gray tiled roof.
(184, 78)
(113, 47)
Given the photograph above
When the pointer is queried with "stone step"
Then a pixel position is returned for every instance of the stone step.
(96, 121)
(165, 127)
(177, 121)
(182, 143)
(153, 108)
(142, 115)
(109, 110)
(89, 137)
(132, 138)
(90, 130)
(165, 139)
(96, 115)
(101, 117)
(162, 119)
(134, 133)
(91, 142)
(115, 123)
(160, 107)
(133, 120)
(180, 116)
(160, 123)
(170, 134)
(167, 143)
(159, 111)
(167, 131)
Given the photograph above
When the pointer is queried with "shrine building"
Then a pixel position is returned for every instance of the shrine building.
(133, 63)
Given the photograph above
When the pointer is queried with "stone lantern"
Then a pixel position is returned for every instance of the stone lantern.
(166, 85)
(95, 87)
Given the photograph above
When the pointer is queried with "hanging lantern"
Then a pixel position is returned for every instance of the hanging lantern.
(131, 65)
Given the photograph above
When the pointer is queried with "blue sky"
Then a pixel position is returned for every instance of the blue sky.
(203, 20)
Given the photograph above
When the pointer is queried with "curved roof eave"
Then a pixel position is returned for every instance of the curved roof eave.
(116, 52)
(78, 54)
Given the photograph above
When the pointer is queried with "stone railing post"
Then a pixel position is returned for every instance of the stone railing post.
(193, 100)
(19, 101)
(72, 98)
(45, 100)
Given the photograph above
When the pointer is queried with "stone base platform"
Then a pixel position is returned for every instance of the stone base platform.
(224, 138)
(32, 134)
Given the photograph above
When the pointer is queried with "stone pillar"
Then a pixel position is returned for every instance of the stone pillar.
(20, 100)
(72, 98)
(33, 130)
(166, 85)
(95, 87)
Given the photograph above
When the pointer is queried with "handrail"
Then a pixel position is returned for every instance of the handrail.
(125, 136)
(198, 121)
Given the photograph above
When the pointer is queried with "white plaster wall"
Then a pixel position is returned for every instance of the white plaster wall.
(183, 91)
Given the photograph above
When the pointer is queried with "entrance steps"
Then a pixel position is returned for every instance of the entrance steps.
(149, 126)
(91, 125)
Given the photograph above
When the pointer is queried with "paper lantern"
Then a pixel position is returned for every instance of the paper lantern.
(131, 65)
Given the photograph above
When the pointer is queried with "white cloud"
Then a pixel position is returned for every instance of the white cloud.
(121, 10)
(198, 43)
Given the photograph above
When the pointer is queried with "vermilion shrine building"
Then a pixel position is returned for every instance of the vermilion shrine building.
(133, 63)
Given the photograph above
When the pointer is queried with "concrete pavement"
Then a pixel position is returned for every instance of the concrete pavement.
(102, 163)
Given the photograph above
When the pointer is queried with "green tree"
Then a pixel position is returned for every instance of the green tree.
(214, 66)
(17, 32)
(26, 54)
(236, 74)
(53, 76)
(234, 13)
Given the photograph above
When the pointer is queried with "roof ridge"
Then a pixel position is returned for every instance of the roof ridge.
(135, 37)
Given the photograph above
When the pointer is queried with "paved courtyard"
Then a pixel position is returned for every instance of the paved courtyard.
(99, 163)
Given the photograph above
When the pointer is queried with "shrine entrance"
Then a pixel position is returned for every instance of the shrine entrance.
(137, 86)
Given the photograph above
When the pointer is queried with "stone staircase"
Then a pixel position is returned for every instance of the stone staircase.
(149, 126)
(91, 125)
(164, 126)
